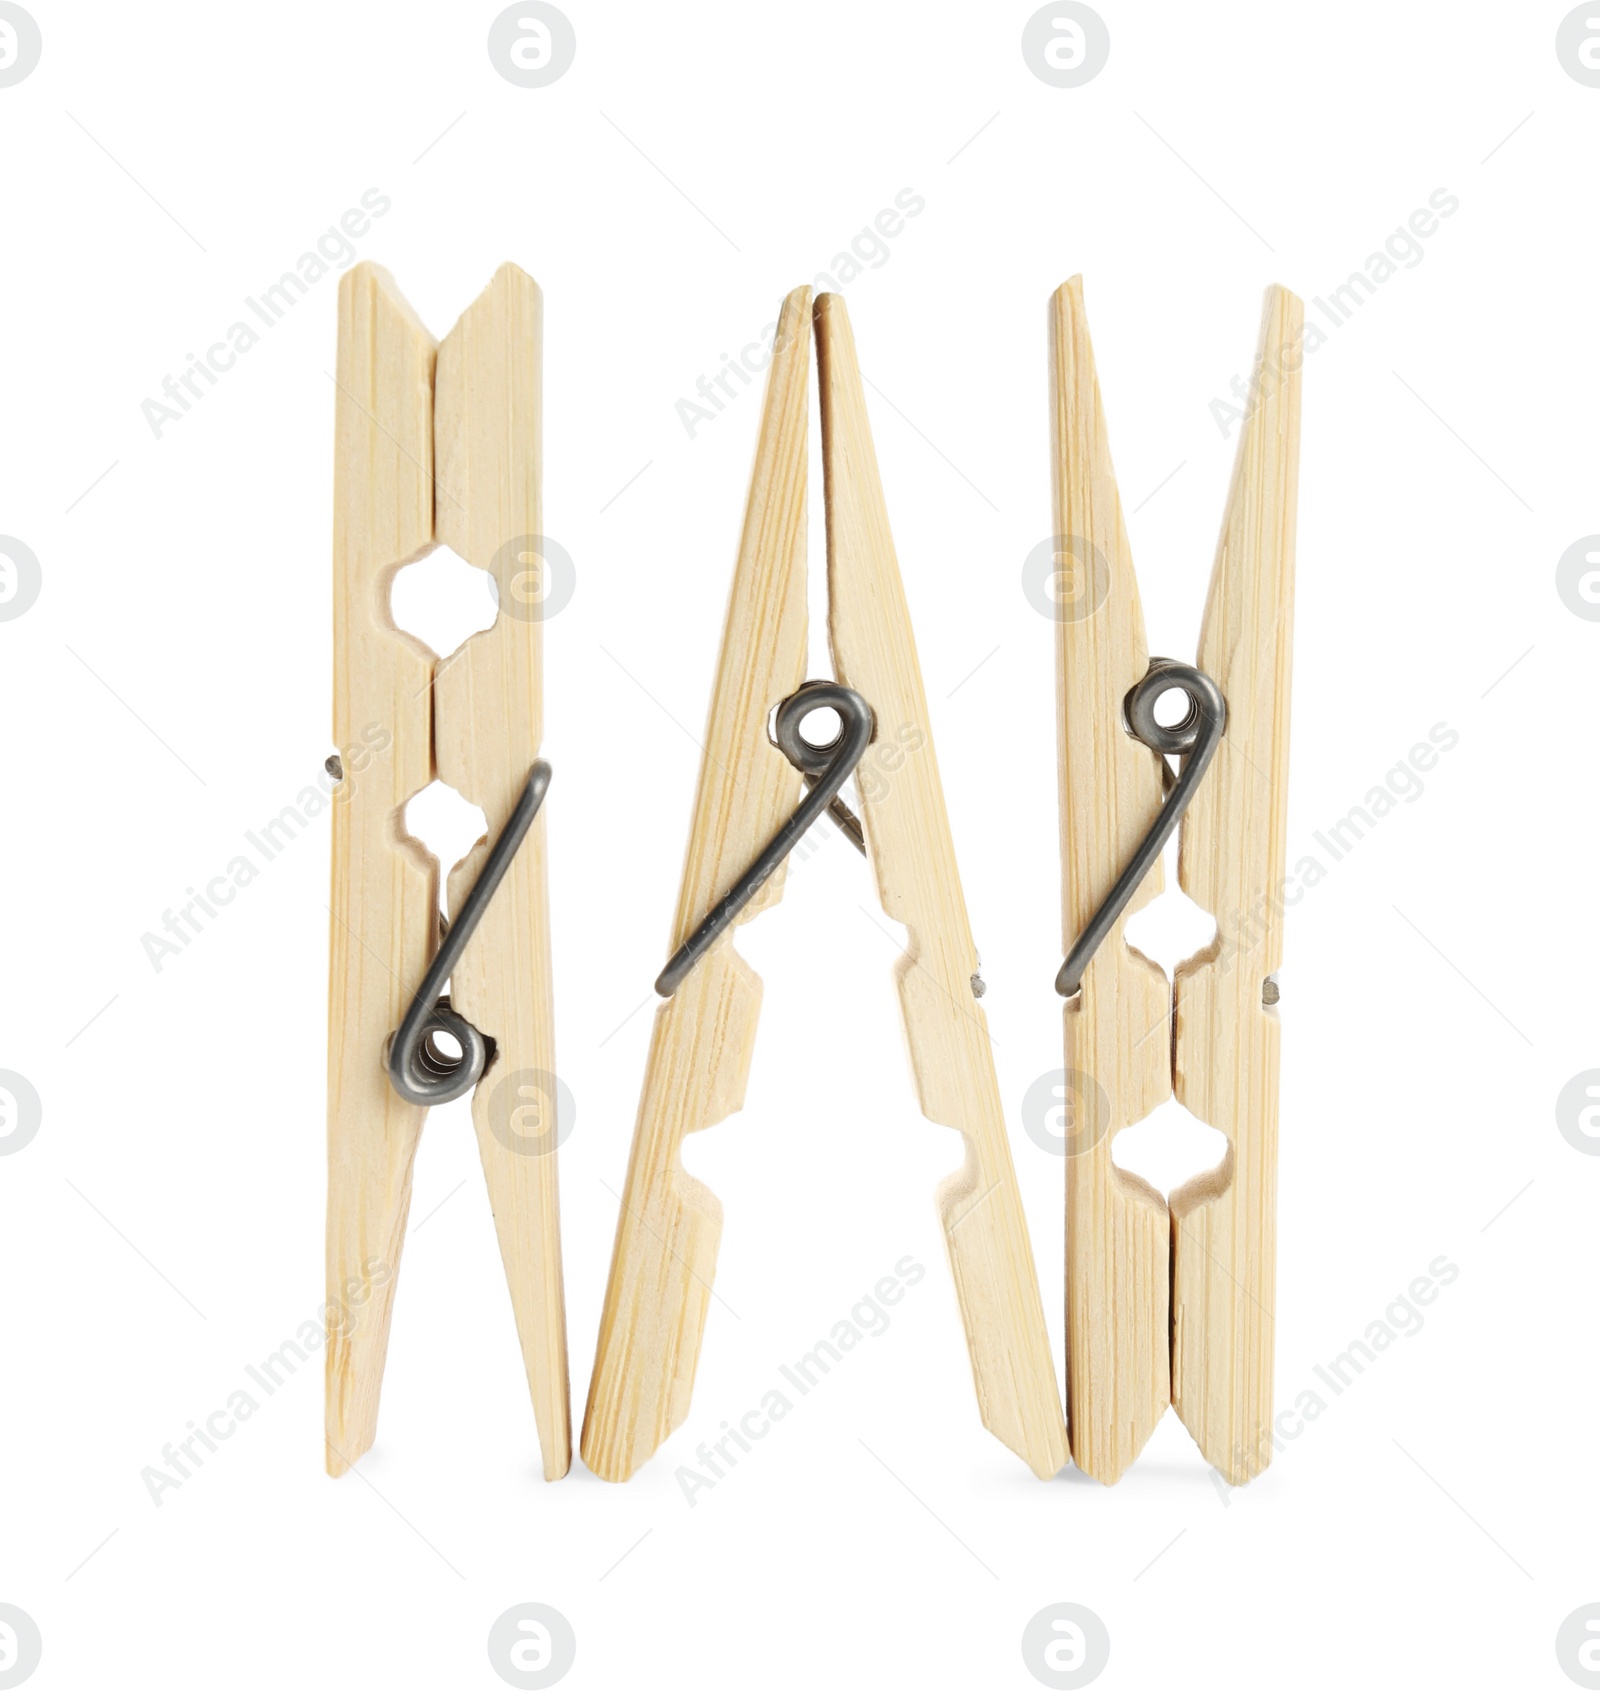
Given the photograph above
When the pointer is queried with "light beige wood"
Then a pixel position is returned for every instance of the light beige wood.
(480, 711)
(488, 726)
(385, 886)
(1224, 1041)
(670, 1224)
(908, 833)
(1118, 1050)
(1231, 862)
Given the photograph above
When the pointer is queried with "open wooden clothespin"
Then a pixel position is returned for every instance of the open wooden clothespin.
(745, 821)
(1172, 1301)
(427, 457)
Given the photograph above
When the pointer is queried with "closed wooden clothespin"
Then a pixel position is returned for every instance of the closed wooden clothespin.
(1172, 1301)
(437, 445)
(745, 822)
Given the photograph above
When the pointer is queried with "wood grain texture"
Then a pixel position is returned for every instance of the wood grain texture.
(385, 886)
(1231, 862)
(1118, 1050)
(913, 855)
(669, 1226)
(488, 726)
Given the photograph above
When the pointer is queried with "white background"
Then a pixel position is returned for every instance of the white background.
(170, 689)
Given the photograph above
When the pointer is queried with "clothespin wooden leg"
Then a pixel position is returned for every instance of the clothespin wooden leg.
(1118, 1052)
(481, 710)
(385, 887)
(670, 1224)
(489, 723)
(1231, 862)
(913, 856)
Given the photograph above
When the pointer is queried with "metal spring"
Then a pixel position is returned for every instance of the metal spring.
(418, 1069)
(826, 769)
(1196, 738)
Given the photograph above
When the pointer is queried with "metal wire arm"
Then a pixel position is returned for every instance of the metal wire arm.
(1196, 738)
(826, 769)
(418, 1069)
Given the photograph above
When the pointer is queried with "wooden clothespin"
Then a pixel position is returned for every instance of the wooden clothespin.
(428, 456)
(1173, 1300)
(745, 820)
